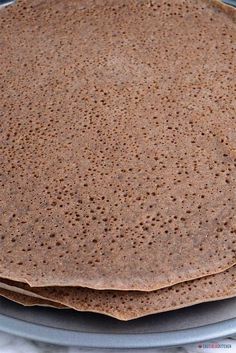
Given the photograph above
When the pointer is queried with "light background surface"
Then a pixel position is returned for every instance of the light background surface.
(13, 344)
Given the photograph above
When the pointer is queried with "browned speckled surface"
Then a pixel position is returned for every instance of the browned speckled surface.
(127, 305)
(117, 142)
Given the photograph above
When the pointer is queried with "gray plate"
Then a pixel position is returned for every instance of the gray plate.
(66, 327)
(194, 324)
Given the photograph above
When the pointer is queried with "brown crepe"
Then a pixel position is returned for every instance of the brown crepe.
(27, 300)
(117, 142)
(130, 305)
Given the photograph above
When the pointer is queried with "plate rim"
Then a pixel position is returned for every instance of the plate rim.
(60, 336)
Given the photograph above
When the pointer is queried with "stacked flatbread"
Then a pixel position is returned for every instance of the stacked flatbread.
(118, 154)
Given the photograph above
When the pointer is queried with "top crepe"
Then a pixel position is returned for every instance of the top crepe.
(118, 142)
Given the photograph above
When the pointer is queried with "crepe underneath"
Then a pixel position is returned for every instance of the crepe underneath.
(28, 300)
(125, 305)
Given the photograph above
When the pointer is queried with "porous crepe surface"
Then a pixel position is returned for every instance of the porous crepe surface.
(27, 300)
(117, 142)
(127, 305)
